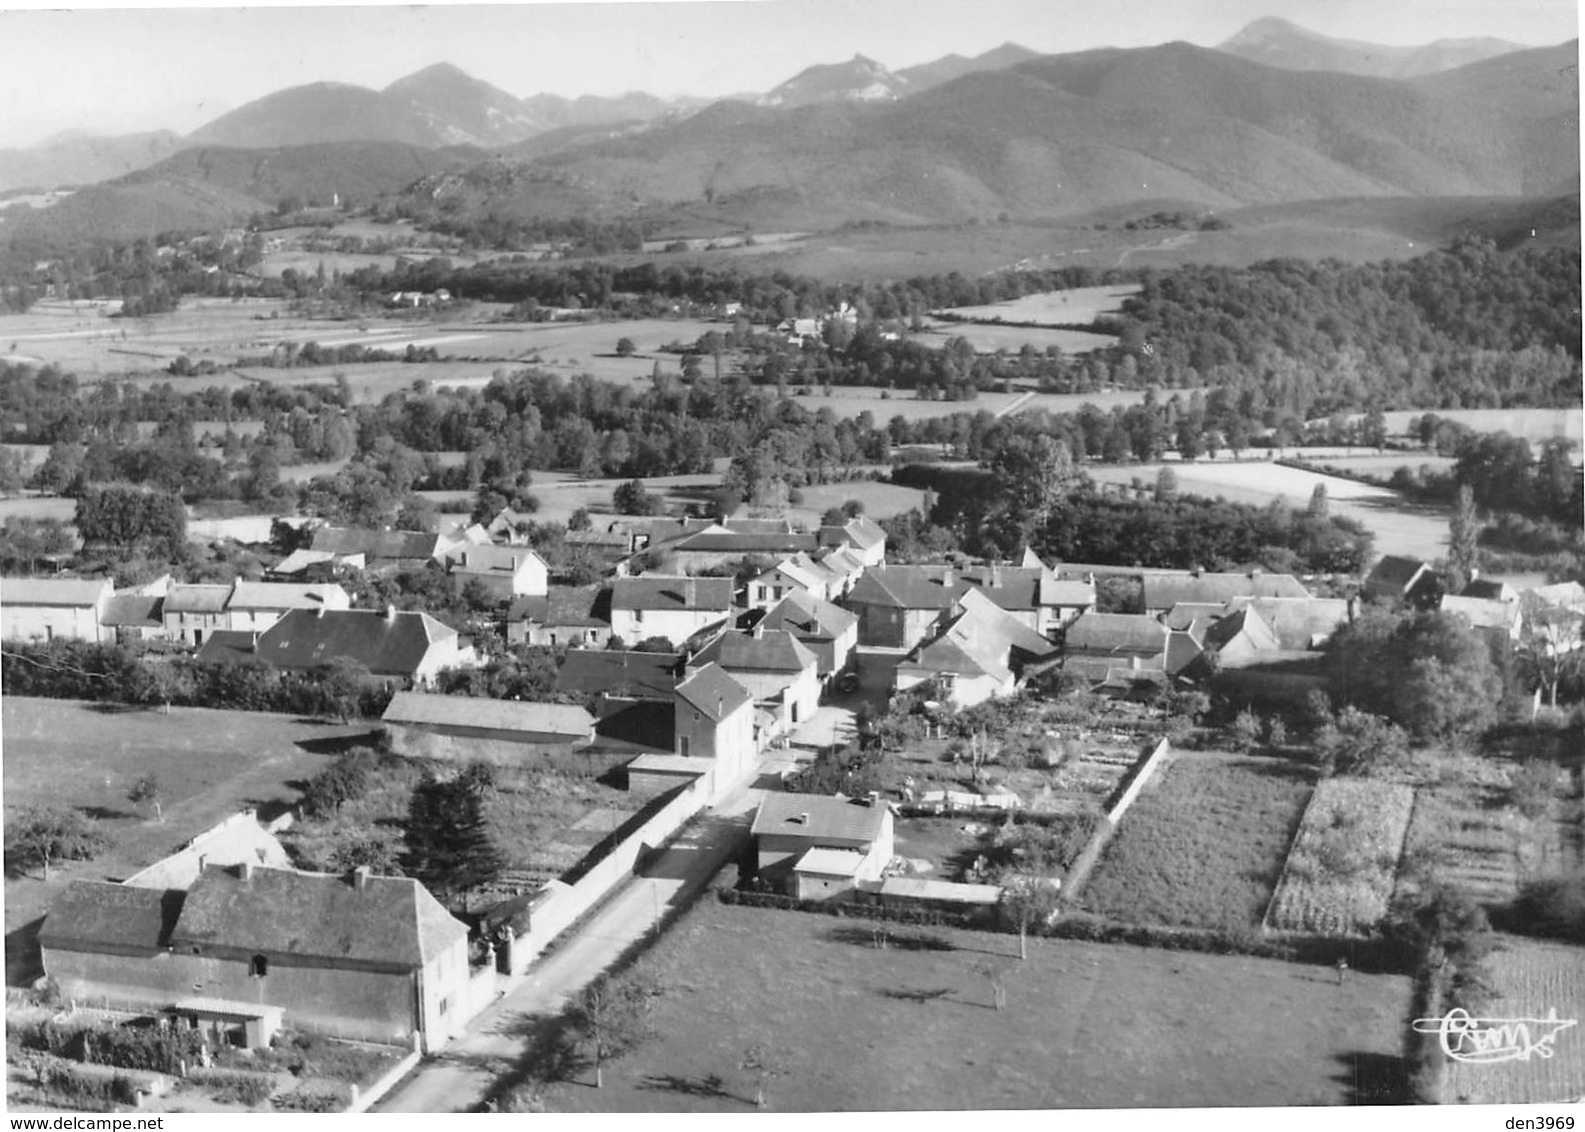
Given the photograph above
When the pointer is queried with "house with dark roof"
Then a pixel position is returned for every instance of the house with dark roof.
(828, 631)
(815, 847)
(1300, 624)
(358, 956)
(898, 606)
(566, 615)
(721, 546)
(1489, 589)
(48, 609)
(134, 617)
(1032, 593)
(193, 612)
(620, 674)
(714, 719)
(1241, 638)
(979, 656)
(504, 572)
(464, 728)
(1097, 643)
(671, 606)
(304, 565)
(778, 671)
(1400, 578)
(393, 644)
(399, 549)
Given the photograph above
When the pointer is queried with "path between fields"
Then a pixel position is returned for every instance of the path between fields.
(460, 1077)
(1014, 405)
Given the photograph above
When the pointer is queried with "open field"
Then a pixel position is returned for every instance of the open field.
(1384, 463)
(38, 507)
(1400, 527)
(1204, 845)
(1053, 308)
(913, 1027)
(1534, 425)
(210, 764)
(987, 338)
(1532, 978)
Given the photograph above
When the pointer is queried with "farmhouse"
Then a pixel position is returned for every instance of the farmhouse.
(815, 847)
(304, 565)
(1032, 593)
(898, 606)
(1097, 643)
(620, 673)
(382, 548)
(977, 657)
(567, 615)
(1163, 591)
(862, 535)
(393, 645)
(238, 839)
(425, 725)
(504, 572)
(799, 574)
(132, 617)
(828, 631)
(1496, 618)
(356, 956)
(1397, 578)
(714, 719)
(776, 669)
(720, 545)
(47, 609)
(669, 606)
(255, 606)
(192, 613)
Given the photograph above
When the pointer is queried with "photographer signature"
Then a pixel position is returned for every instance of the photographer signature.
(1465, 1038)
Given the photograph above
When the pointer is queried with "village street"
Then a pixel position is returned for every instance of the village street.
(461, 1077)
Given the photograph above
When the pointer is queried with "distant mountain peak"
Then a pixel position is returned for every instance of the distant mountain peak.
(860, 79)
(1277, 42)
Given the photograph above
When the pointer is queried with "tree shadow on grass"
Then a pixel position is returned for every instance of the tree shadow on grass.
(104, 813)
(334, 744)
(104, 708)
(24, 958)
(710, 1085)
(882, 934)
(1375, 1078)
(917, 995)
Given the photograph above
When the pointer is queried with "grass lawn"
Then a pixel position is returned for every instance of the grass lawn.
(210, 764)
(1204, 844)
(1085, 1026)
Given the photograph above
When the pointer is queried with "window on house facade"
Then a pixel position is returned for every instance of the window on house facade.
(258, 966)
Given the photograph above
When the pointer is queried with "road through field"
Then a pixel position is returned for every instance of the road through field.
(461, 1077)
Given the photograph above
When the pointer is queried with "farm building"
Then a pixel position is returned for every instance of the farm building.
(511, 527)
(567, 615)
(1163, 591)
(504, 572)
(828, 631)
(714, 719)
(898, 606)
(255, 606)
(654, 774)
(861, 535)
(979, 655)
(382, 548)
(48, 609)
(132, 617)
(798, 574)
(773, 667)
(304, 565)
(1097, 643)
(424, 725)
(1397, 578)
(816, 847)
(356, 956)
(193, 612)
(670, 606)
(1497, 618)
(719, 546)
(393, 644)
(237, 839)
(620, 674)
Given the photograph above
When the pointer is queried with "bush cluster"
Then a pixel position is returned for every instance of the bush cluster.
(929, 917)
(74, 1083)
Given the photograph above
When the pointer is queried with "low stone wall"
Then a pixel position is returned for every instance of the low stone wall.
(1143, 771)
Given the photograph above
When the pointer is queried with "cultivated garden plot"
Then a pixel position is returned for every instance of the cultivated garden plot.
(1339, 876)
(1532, 979)
(1203, 847)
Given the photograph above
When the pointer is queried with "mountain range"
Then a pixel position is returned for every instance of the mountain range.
(1274, 114)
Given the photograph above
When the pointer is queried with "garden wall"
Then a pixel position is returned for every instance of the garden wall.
(1128, 791)
(606, 866)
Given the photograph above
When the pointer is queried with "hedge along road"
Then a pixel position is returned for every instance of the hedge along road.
(462, 1075)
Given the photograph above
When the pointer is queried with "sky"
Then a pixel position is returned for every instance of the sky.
(119, 69)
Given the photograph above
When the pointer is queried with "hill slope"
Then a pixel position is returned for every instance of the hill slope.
(1281, 43)
(1060, 134)
(80, 160)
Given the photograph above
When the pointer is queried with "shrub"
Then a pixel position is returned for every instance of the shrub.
(1550, 906)
(233, 1086)
(310, 1100)
(147, 1048)
(79, 1084)
(1530, 787)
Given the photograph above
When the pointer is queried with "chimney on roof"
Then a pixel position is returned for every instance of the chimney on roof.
(361, 876)
(390, 613)
(803, 818)
(946, 576)
(720, 704)
(245, 870)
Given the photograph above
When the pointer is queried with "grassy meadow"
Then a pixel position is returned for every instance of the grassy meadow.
(1204, 845)
(849, 1027)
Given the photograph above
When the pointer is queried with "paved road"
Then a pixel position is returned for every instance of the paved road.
(461, 1076)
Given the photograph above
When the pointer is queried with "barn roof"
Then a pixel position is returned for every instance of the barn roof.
(497, 715)
(713, 691)
(662, 592)
(763, 650)
(621, 672)
(92, 914)
(391, 643)
(376, 544)
(390, 921)
(54, 591)
(808, 617)
(197, 599)
(1115, 632)
(1166, 591)
(818, 817)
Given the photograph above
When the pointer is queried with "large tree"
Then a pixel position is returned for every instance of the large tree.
(1463, 536)
(450, 848)
(45, 834)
